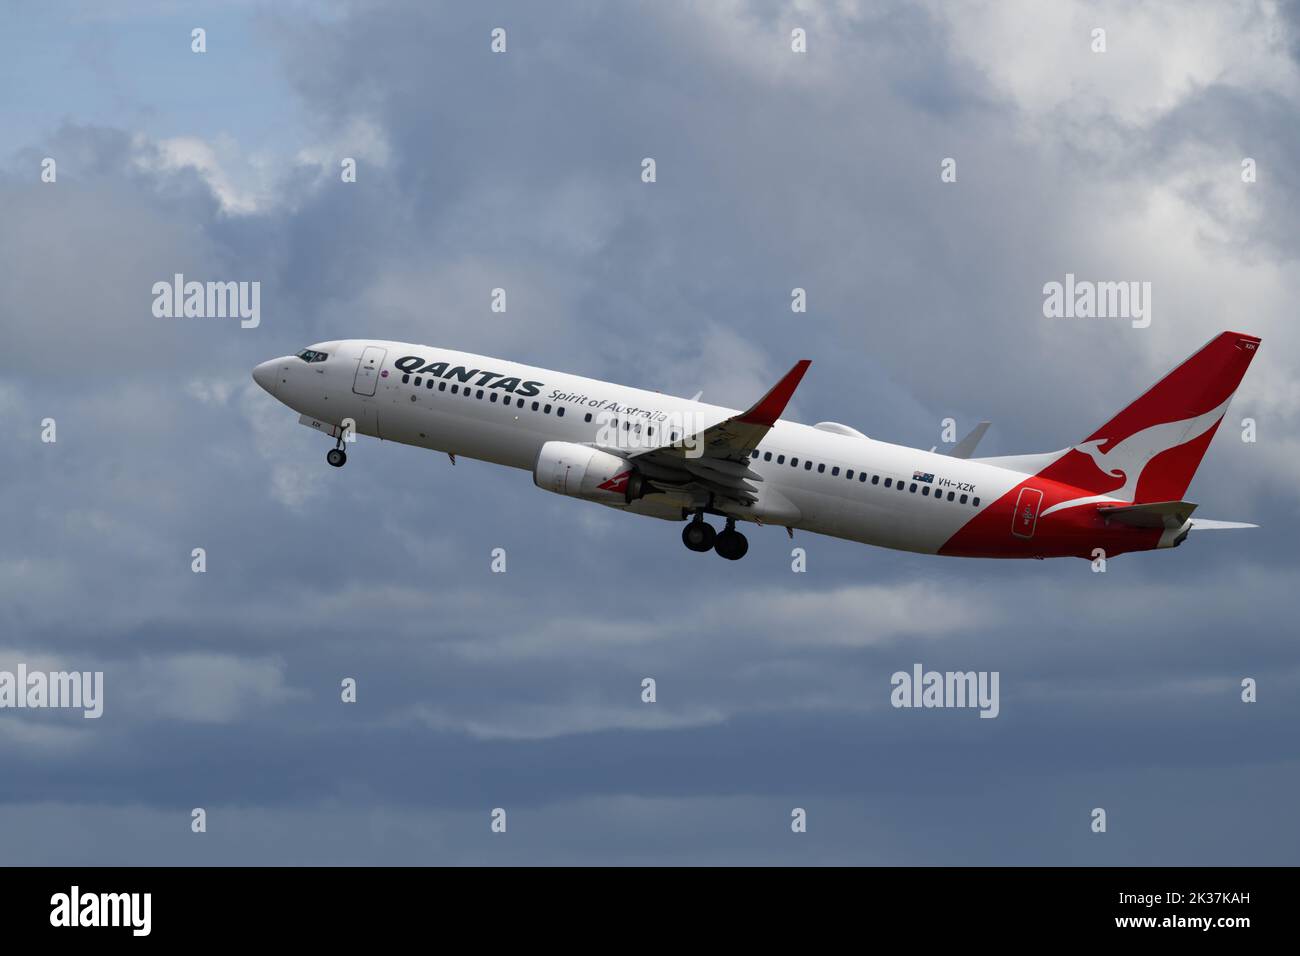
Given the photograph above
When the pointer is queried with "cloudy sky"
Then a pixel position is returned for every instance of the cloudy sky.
(522, 170)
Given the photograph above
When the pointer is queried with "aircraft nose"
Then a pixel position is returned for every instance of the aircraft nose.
(267, 375)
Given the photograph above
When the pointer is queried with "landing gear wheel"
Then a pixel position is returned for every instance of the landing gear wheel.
(699, 535)
(731, 544)
(336, 457)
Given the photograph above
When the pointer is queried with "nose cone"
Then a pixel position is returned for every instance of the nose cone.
(267, 375)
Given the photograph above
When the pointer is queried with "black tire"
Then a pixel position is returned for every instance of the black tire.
(698, 536)
(731, 545)
(336, 457)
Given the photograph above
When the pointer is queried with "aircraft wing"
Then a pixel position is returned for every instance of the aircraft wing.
(717, 459)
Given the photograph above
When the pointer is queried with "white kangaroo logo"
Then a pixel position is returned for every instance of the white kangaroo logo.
(1130, 457)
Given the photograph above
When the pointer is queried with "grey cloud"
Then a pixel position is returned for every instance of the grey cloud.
(478, 690)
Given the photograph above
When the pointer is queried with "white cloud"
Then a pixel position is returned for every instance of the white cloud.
(241, 187)
(360, 138)
(200, 687)
(1039, 56)
(296, 481)
(561, 719)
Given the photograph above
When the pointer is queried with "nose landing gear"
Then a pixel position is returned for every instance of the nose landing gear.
(336, 456)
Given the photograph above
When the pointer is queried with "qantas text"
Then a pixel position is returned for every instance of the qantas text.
(415, 365)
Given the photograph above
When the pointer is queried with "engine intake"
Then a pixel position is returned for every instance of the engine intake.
(580, 471)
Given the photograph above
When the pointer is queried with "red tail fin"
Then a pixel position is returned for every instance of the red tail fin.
(1150, 450)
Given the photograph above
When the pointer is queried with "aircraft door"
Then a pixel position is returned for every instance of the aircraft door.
(368, 370)
(1025, 517)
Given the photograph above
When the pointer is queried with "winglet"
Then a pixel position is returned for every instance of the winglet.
(769, 408)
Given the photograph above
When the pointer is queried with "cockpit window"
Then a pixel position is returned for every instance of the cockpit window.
(307, 355)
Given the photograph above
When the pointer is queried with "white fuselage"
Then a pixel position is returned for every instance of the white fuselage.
(491, 417)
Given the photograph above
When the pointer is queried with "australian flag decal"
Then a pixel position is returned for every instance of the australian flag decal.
(922, 476)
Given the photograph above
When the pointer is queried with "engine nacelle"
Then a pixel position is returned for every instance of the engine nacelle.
(580, 471)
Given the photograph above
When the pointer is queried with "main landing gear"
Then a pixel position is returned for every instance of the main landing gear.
(698, 535)
(336, 456)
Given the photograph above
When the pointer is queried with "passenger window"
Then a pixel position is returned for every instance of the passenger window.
(913, 488)
(753, 454)
(875, 479)
(417, 381)
(821, 469)
(536, 405)
(429, 384)
(442, 386)
(455, 389)
(479, 395)
(926, 491)
(950, 496)
(767, 456)
(889, 482)
(975, 502)
(406, 379)
(492, 397)
(559, 412)
(547, 410)
(962, 500)
(588, 417)
(794, 462)
(519, 402)
(780, 459)
(848, 474)
(807, 466)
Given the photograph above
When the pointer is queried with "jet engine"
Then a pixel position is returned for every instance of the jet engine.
(580, 471)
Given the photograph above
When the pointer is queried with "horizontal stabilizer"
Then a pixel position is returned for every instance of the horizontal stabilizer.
(1152, 514)
(1205, 524)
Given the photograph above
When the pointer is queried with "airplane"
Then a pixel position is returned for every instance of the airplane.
(1119, 490)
